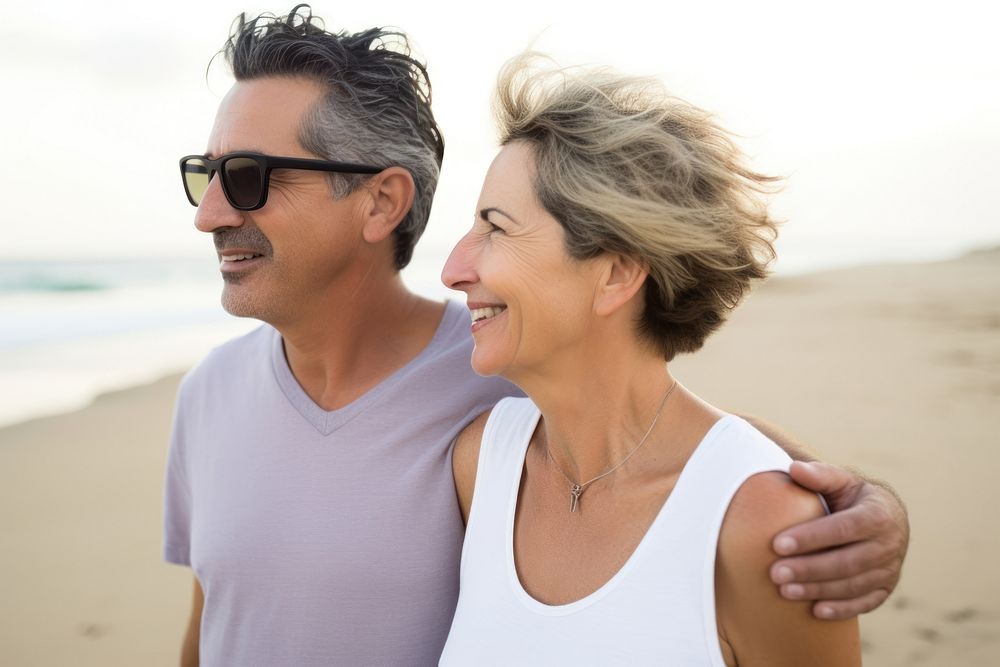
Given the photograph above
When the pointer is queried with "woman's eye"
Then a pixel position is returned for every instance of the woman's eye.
(486, 227)
(490, 228)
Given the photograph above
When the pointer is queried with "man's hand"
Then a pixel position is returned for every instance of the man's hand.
(851, 560)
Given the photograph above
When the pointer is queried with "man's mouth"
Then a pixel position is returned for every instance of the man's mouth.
(237, 262)
(240, 248)
(240, 257)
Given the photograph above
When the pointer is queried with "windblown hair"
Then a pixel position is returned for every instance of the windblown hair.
(626, 168)
(377, 107)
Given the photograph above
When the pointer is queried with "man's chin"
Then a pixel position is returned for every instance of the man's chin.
(239, 303)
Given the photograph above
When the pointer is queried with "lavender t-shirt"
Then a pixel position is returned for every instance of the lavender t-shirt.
(322, 537)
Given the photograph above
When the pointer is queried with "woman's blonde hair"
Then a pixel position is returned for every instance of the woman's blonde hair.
(626, 168)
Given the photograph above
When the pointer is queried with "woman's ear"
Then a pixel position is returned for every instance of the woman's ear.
(392, 191)
(621, 280)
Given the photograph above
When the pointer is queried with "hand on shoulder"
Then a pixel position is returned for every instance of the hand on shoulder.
(851, 560)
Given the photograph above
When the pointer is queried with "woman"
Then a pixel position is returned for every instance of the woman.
(613, 517)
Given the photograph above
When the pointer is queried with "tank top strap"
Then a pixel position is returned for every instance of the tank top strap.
(505, 440)
(731, 453)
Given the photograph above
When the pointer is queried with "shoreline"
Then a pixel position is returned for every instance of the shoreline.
(170, 377)
(893, 368)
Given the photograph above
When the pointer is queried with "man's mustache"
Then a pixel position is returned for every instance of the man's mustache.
(246, 237)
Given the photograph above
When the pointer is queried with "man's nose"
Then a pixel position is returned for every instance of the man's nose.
(214, 211)
(459, 271)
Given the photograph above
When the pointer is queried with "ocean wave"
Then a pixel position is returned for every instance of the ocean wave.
(97, 275)
(48, 283)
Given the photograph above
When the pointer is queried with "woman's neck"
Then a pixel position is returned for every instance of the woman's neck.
(598, 404)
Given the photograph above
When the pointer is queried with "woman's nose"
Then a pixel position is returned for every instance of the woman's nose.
(459, 271)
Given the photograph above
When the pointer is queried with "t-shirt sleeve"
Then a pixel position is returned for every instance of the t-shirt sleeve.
(177, 495)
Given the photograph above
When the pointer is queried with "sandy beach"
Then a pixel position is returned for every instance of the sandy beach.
(893, 369)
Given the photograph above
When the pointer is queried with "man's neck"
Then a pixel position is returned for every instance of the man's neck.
(344, 345)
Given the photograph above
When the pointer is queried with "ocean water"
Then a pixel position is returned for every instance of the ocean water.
(70, 331)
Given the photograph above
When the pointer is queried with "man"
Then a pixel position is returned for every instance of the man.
(309, 483)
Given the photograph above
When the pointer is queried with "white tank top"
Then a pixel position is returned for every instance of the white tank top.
(658, 609)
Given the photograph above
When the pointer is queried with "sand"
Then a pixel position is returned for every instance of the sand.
(894, 369)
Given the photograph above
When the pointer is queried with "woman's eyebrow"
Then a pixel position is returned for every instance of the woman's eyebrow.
(485, 214)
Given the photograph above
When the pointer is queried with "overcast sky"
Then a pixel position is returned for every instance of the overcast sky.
(883, 116)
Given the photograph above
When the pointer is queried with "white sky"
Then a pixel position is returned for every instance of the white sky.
(884, 116)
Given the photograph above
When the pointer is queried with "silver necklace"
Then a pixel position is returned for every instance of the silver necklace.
(576, 490)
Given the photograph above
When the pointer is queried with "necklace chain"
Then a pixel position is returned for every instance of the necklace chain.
(576, 490)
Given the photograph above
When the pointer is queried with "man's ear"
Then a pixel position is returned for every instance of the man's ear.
(391, 194)
(620, 281)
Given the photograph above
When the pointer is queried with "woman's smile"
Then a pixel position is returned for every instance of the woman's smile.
(484, 314)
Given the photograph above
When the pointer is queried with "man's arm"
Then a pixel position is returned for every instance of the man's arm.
(851, 560)
(795, 448)
(189, 649)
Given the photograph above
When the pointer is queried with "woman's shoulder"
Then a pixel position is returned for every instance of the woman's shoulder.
(469, 441)
(753, 618)
(465, 454)
(764, 505)
(465, 461)
(766, 502)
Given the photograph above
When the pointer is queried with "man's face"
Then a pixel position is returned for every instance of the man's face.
(277, 260)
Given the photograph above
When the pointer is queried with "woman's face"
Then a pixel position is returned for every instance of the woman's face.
(530, 301)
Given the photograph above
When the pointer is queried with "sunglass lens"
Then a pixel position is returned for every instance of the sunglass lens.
(243, 181)
(196, 178)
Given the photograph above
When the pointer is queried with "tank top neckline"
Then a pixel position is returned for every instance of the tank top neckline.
(607, 587)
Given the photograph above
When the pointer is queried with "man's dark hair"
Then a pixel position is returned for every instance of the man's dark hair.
(377, 107)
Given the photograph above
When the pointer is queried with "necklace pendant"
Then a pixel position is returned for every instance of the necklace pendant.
(574, 497)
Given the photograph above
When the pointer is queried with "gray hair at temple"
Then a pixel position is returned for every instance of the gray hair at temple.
(626, 168)
(377, 107)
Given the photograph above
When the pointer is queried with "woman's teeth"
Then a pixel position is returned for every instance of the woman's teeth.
(485, 313)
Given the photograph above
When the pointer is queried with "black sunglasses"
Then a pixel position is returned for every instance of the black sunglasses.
(245, 175)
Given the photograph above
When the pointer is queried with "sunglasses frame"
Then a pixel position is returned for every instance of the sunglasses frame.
(265, 164)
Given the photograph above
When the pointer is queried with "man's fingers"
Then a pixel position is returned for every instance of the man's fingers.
(845, 563)
(850, 561)
(822, 477)
(840, 589)
(835, 610)
(833, 530)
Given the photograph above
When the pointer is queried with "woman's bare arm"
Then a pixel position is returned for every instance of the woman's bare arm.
(757, 626)
(465, 462)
